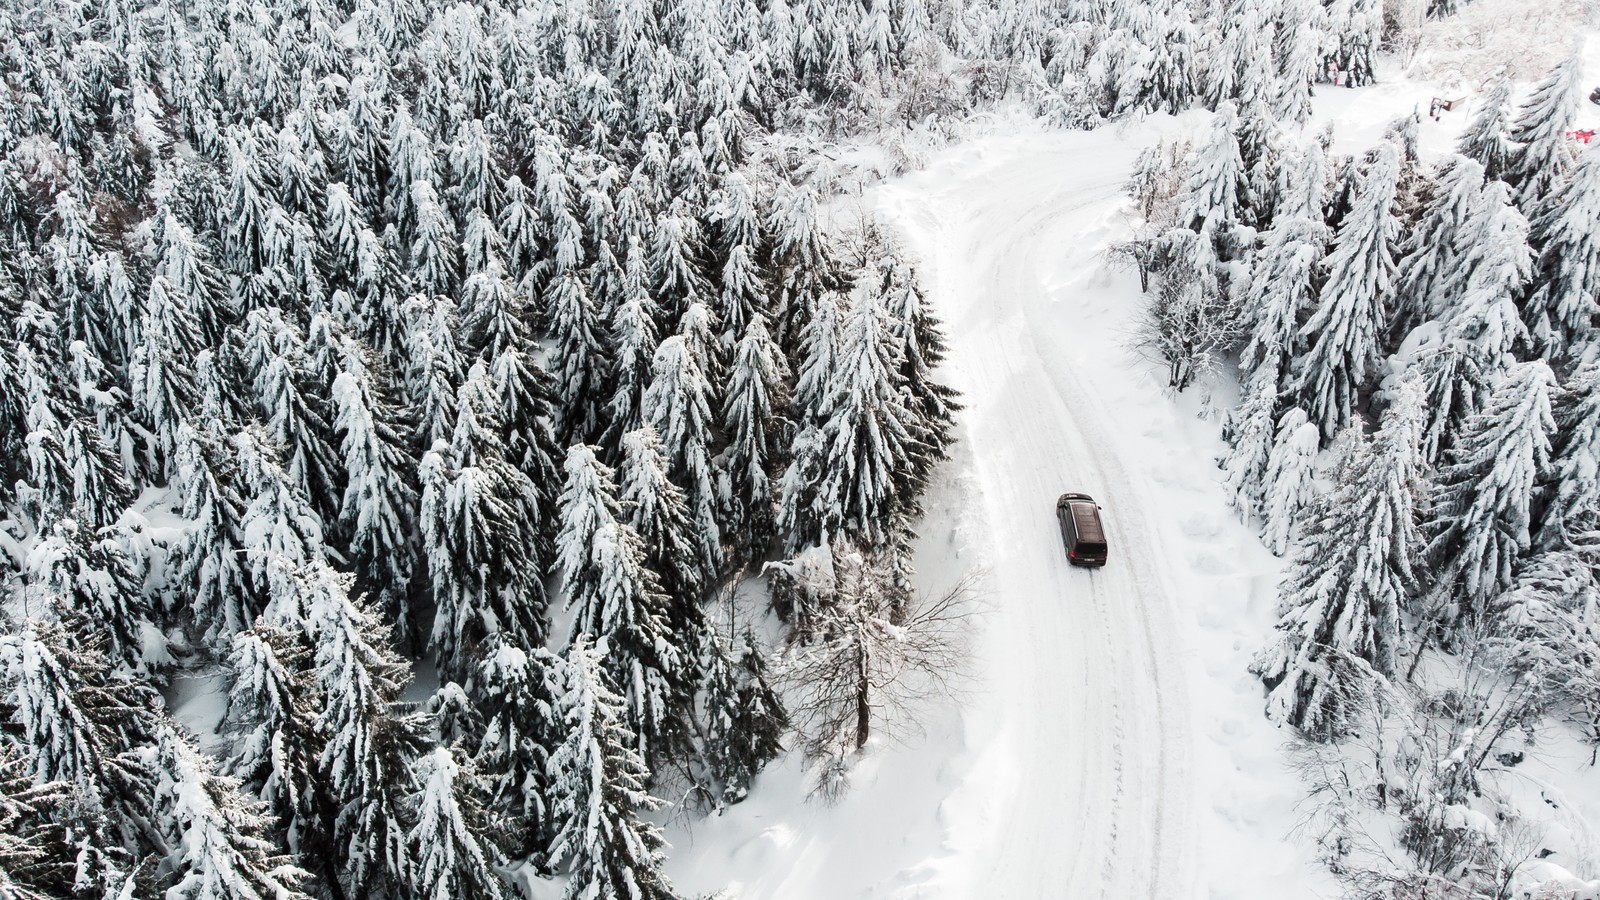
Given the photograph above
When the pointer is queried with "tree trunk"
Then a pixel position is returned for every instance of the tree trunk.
(863, 702)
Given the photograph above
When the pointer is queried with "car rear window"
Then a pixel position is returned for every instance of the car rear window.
(1086, 521)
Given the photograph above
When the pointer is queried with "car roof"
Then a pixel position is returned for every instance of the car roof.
(1086, 521)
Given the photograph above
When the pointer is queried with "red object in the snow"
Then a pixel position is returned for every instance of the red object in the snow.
(1582, 137)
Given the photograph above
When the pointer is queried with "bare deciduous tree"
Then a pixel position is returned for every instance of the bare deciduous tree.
(870, 659)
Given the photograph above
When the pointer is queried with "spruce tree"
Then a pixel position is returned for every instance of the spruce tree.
(656, 510)
(378, 513)
(1560, 310)
(598, 785)
(1251, 430)
(209, 562)
(434, 369)
(1429, 267)
(1543, 154)
(1284, 286)
(163, 390)
(744, 717)
(1572, 503)
(370, 738)
(270, 727)
(1487, 139)
(919, 347)
(619, 605)
(218, 836)
(633, 340)
(292, 409)
(867, 434)
(578, 360)
(1288, 478)
(479, 536)
(1216, 190)
(517, 691)
(1480, 509)
(1350, 579)
(752, 419)
(80, 723)
(90, 573)
(450, 849)
(678, 405)
(1344, 330)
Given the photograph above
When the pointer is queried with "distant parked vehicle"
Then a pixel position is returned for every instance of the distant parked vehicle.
(1081, 531)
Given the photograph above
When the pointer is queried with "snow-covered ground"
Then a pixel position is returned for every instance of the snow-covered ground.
(1112, 744)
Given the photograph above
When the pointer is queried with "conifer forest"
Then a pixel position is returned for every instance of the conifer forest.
(450, 448)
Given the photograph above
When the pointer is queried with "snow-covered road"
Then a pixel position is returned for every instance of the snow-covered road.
(1084, 780)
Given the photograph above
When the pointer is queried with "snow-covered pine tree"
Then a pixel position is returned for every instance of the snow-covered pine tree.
(270, 726)
(1487, 139)
(1298, 51)
(619, 603)
(34, 853)
(370, 738)
(1355, 33)
(492, 311)
(699, 330)
(377, 517)
(162, 389)
(79, 722)
(1344, 330)
(743, 715)
(209, 557)
(74, 568)
(1252, 426)
(1572, 504)
(678, 405)
(578, 359)
(517, 691)
(1480, 509)
(868, 432)
(450, 850)
(278, 527)
(598, 783)
(1352, 576)
(1543, 154)
(219, 848)
(479, 531)
(656, 510)
(69, 466)
(1429, 267)
(187, 263)
(1216, 190)
(1288, 478)
(434, 367)
(1283, 287)
(633, 345)
(919, 346)
(800, 499)
(751, 417)
(293, 412)
(1481, 326)
(1560, 310)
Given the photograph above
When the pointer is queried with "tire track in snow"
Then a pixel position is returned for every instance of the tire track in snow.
(1088, 716)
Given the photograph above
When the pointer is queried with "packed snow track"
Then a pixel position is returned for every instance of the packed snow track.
(1080, 788)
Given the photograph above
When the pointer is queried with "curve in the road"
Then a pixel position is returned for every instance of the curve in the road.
(1088, 729)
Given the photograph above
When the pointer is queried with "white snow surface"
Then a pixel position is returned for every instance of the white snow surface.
(1112, 743)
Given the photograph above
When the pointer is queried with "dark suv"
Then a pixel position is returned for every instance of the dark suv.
(1081, 531)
